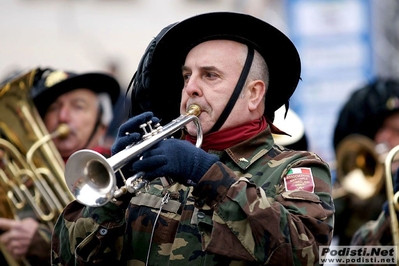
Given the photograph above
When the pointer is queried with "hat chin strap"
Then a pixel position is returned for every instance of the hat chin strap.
(98, 122)
(236, 93)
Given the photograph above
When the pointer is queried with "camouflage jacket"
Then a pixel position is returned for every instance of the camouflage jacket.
(246, 210)
(374, 233)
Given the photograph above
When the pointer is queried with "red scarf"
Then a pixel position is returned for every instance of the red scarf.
(225, 138)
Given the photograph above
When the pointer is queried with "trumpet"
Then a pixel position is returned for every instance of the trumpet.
(91, 177)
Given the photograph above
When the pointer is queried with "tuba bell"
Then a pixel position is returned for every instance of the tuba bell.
(31, 168)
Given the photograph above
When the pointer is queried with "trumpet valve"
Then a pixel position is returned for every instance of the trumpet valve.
(150, 131)
(144, 128)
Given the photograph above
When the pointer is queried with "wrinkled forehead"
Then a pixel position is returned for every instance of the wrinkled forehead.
(219, 50)
(221, 39)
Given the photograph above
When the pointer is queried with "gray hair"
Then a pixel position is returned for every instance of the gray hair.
(259, 69)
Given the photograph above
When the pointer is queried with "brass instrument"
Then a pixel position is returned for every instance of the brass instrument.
(31, 170)
(6, 211)
(360, 167)
(91, 177)
(392, 199)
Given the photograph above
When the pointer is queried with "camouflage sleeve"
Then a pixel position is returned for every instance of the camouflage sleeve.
(286, 228)
(374, 233)
(87, 235)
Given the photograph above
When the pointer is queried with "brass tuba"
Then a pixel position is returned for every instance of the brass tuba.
(393, 199)
(359, 167)
(31, 168)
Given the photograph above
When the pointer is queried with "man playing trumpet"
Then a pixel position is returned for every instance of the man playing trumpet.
(239, 199)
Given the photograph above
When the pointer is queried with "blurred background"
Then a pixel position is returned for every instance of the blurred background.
(343, 43)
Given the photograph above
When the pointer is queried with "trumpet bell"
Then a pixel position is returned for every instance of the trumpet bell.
(92, 180)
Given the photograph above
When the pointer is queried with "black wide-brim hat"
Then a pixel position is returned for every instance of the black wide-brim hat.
(50, 84)
(366, 109)
(158, 81)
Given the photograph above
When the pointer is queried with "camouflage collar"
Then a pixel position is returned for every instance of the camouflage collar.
(247, 152)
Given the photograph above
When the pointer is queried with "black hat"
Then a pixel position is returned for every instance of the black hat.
(158, 81)
(366, 109)
(52, 83)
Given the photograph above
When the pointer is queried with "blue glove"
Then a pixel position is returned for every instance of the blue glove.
(135, 133)
(177, 159)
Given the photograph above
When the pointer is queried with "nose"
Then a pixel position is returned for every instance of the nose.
(192, 87)
(64, 114)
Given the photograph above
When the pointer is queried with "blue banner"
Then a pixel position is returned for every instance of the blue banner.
(334, 40)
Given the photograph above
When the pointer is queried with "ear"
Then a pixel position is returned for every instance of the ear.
(101, 130)
(256, 90)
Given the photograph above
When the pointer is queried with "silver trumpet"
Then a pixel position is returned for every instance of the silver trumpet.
(91, 177)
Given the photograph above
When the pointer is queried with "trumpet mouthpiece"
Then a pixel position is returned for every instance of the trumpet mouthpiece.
(194, 109)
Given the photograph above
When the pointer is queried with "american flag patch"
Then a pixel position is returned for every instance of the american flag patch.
(299, 179)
